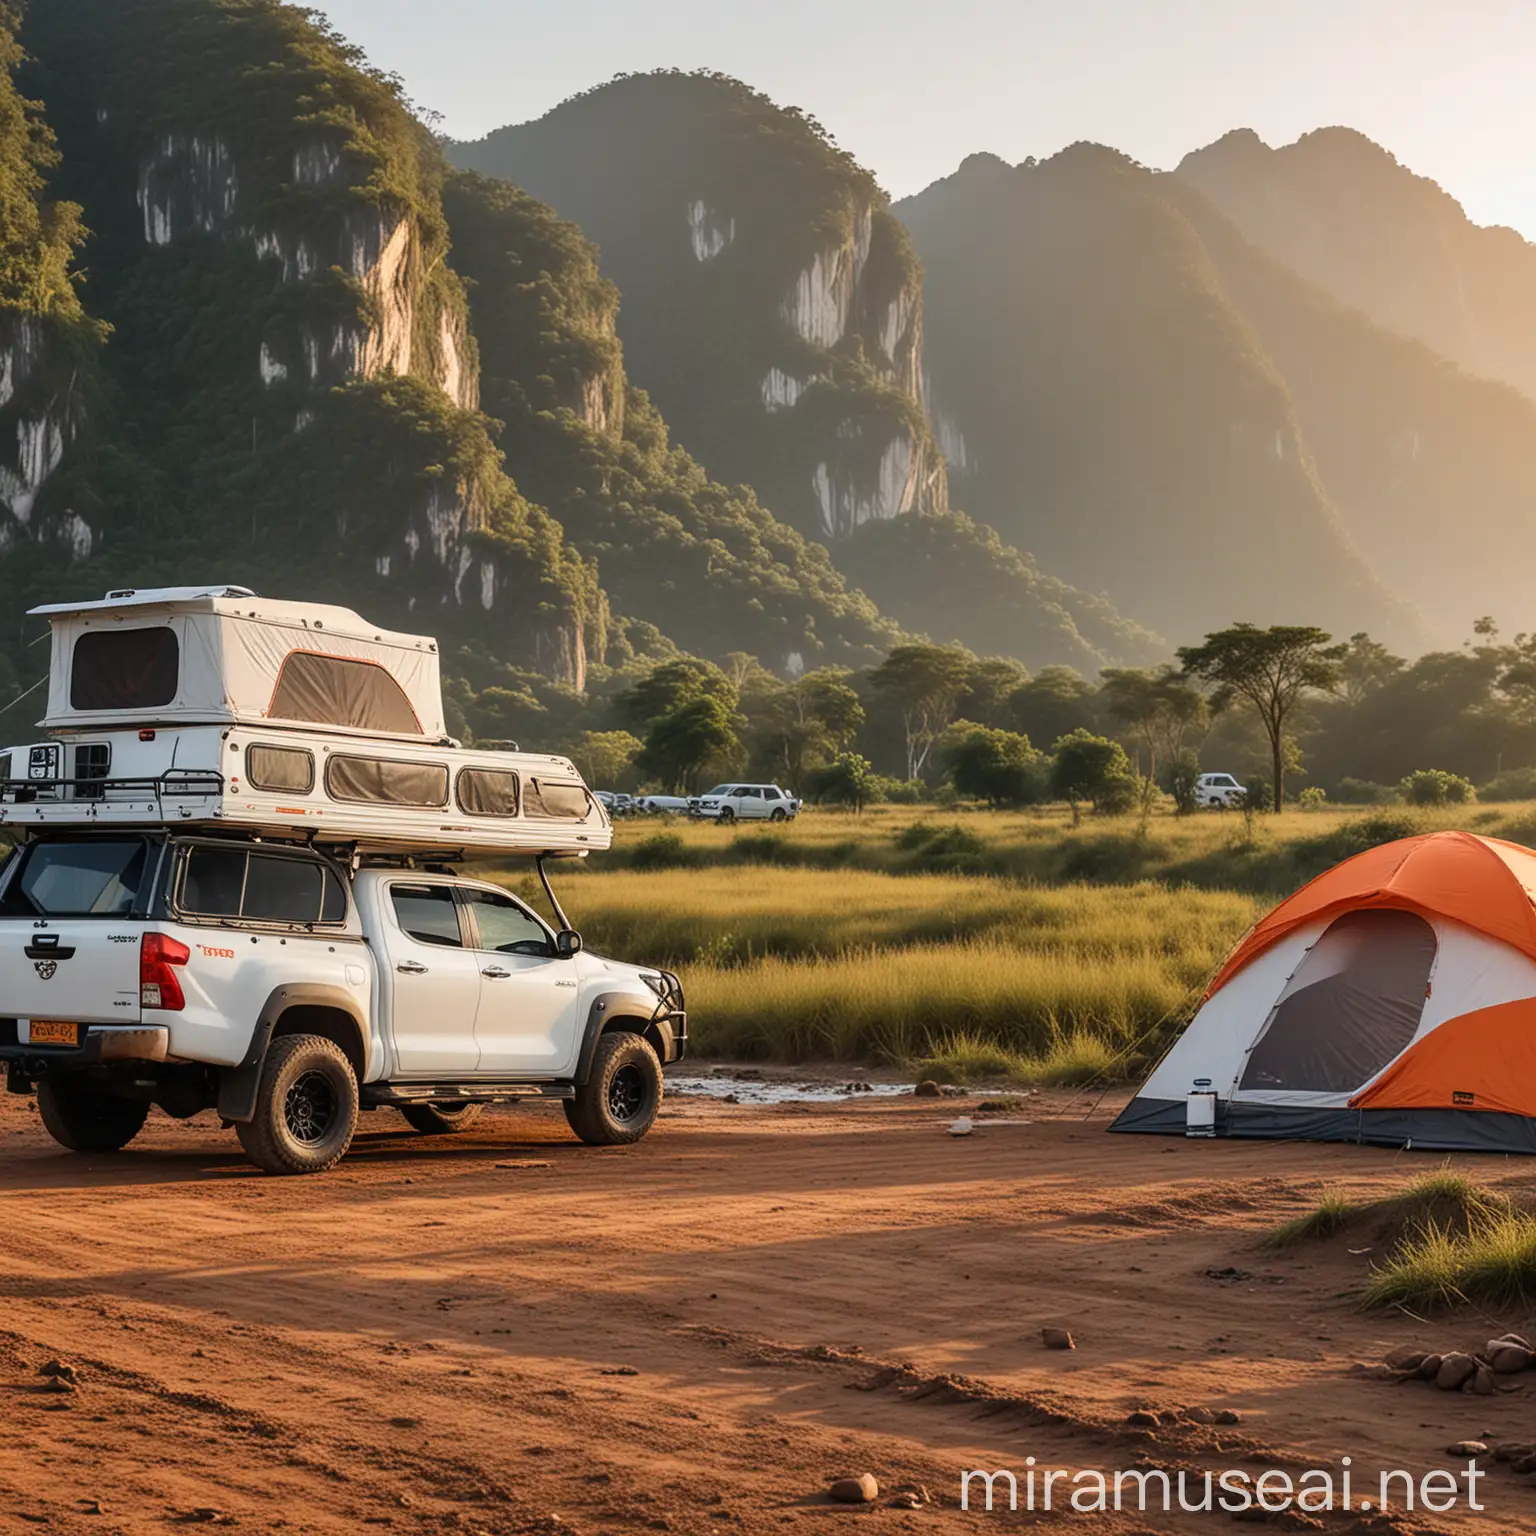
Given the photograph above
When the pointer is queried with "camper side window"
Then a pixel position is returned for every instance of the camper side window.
(280, 768)
(380, 781)
(486, 792)
(125, 668)
(556, 800)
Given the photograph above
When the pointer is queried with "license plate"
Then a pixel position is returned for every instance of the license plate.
(54, 1032)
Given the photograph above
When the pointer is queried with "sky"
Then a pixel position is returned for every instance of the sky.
(911, 87)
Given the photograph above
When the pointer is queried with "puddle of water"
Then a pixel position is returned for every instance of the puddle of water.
(779, 1091)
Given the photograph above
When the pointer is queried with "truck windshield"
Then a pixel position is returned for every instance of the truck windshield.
(94, 878)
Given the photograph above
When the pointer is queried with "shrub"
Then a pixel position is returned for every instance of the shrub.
(1313, 798)
(999, 767)
(1512, 784)
(1095, 769)
(666, 850)
(1364, 792)
(941, 849)
(1181, 779)
(1434, 786)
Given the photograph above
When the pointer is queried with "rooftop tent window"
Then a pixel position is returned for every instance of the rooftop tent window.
(339, 690)
(487, 792)
(1351, 1007)
(280, 768)
(556, 800)
(376, 780)
(125, 668)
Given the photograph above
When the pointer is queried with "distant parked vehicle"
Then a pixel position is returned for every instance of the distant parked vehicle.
(617, 804)
(654, 805)
(1220, 790)
(745, 802)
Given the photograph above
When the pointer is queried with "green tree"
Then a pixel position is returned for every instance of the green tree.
(1271, 670)
(997, 766)
(924, 683)
(1159, 707)
(700, 734)
(806, 723)
(848, 780)
(665, 689)
(1054, 702)
(607, 758)
(1366, 666)
(1091, 768)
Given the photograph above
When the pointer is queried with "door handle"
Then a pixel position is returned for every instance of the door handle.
(412, 968)
(495, 972)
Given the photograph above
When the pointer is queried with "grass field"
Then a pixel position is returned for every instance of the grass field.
(965, 943)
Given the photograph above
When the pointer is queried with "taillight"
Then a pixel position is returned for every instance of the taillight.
(159, 985)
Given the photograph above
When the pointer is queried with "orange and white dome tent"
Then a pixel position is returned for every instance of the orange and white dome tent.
(1392, 1000)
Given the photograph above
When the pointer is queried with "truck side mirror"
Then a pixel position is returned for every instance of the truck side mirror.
(567, 944)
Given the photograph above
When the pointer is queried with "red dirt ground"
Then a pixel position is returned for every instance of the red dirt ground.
(507, 1332)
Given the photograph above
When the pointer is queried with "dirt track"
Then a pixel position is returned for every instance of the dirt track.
(507, 1332)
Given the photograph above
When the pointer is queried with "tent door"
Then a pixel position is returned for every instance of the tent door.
(1352, 1005)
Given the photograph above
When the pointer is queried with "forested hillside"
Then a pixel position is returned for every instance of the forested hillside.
(1113, 410)
(1343, 211)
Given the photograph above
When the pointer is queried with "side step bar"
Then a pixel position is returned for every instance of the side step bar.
(458, 1093)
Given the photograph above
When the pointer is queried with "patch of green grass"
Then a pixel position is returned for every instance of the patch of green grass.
(1492, 1265)
(1067, 1059)
(1326, 1219)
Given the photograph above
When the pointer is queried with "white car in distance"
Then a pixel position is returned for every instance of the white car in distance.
(745, 802)
(1220, 790)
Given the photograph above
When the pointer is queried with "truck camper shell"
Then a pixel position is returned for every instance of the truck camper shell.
(211, 708)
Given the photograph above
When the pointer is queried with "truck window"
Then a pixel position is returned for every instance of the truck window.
(556, 800)
(487, 792)
(78, 879)
(505, 927)
(259, 887)
(125, 668)
(428, 914)
(280, 768)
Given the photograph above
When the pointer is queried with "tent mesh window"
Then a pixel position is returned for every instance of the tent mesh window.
(556, 800)
(280, 768)
(486, 792)
(339, 690)
(125, 668)
(380, 781)
(1353, 1006)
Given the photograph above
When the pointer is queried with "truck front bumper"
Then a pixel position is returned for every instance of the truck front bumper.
(98, 1043)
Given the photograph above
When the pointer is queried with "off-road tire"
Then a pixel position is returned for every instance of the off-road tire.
(83, 1121)
(617, 1104)
(306, 1107)
(726, 816)
(441, 1119)
(777, 814)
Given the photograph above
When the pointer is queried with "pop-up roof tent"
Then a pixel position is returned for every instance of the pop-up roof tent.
(1392, 1000)
(197, 655)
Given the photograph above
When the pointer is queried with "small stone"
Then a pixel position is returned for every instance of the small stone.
(404, 1423)
(962, 1127)
(928, 1089)
(59, 1384)
(1142, 1418)
(1512, 1338)
(1516, 1450)
(1455, 1370)
(60, 1370)
(1407, 1359)
(1507, 1359)
(92, 1507)
(1057, 1338)
(618, 1370)
(1525, 1463)
(1228, 1416)
(906, 1501)
(862, 1489)
(1467, 1448)
(1429, 1367)
(1198, 1415)
(1482, 1382)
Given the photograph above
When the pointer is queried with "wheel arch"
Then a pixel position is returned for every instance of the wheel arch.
(622, 1012)
(300, 1009)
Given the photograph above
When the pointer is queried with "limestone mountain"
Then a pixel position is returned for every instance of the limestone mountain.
(1341, 210)
(279, 380)
(1111, 409)
(772, 308)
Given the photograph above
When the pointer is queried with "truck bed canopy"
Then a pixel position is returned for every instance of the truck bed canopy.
(211, 655)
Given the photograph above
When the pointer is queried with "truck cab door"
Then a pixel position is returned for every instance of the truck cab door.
(526, 1022)
(433, 979)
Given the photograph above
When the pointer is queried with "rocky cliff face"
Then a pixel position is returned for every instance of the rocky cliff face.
(273, 207)
(772, 305)
(1342, 211)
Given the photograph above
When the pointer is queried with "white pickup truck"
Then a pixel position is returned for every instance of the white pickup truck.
(289, 991)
